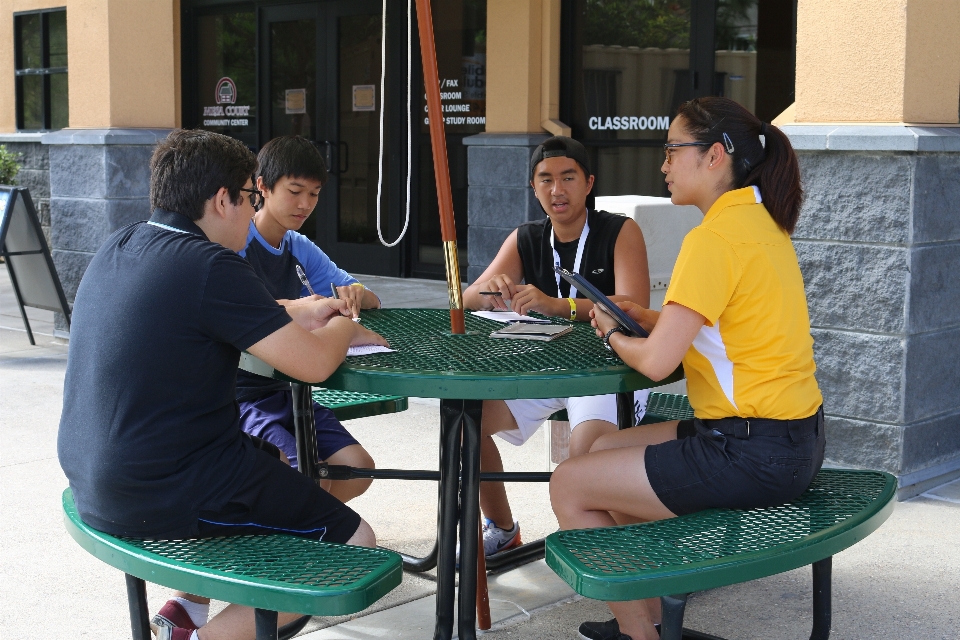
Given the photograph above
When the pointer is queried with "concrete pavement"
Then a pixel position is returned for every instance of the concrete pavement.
(902, 581)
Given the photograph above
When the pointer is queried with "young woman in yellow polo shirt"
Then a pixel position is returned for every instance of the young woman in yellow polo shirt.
(736, 316)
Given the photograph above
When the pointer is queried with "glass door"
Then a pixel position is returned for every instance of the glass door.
(350, 134)
(320, 78)
(288, 78)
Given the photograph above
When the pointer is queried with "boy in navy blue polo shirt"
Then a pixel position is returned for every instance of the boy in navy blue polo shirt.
(291, 174)
(149, 435)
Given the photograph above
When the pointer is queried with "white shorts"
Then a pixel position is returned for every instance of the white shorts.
(530, 414)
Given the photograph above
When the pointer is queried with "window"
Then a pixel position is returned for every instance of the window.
(627, 65)
(41, 69)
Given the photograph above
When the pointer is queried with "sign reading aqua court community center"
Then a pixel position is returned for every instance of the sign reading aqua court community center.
(629, 123)
(230, 114)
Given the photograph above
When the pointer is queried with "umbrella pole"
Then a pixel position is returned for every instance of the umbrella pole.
(448, 229)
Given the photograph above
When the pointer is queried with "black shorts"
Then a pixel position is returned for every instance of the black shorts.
(736, 463)
(275, 498)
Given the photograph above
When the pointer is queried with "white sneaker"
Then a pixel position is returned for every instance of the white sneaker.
(496, 539)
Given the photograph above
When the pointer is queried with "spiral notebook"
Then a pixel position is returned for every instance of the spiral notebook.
(526, 331)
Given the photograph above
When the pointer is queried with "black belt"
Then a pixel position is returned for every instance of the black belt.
(743, 428)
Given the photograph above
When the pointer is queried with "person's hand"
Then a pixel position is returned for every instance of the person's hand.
(505, 286)
(362, 335)
(353, 296)
(317, 313)
(602, 321)
(528, 298)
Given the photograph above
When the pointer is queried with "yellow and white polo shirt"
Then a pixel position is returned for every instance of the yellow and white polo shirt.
(754, 356)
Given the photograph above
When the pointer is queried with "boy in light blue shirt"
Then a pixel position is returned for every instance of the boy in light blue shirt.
(291, 174)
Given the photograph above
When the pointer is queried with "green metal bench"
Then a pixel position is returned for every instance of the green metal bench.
(349, 405)
(720, 547)
(269, 573)
(661, 407)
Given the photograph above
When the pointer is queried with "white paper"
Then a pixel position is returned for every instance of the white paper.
(367, 349)
(508, 316)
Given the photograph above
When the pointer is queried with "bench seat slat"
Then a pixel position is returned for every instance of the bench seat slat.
(720, 547)
(350, 405)
(274, 572)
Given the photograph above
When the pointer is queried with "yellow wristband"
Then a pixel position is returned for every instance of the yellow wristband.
(357, 284)
(573, 308)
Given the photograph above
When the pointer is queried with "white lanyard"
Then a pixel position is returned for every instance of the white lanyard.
(577, 260)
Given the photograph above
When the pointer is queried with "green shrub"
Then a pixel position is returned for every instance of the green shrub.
(9, 165)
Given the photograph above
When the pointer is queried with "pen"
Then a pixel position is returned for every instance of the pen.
(303, 279)
(491, 293)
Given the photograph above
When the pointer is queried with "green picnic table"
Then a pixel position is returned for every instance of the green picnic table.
(462, 371)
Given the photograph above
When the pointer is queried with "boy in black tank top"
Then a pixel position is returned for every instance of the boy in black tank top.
(609, 251)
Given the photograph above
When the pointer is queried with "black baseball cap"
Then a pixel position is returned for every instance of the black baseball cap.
(560, 146)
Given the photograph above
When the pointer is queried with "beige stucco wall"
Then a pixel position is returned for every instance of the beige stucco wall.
(513, 65)
(878, 61)
(123, 61)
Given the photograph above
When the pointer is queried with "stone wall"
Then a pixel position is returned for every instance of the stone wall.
(99, 182)
(500, 198)
(879, 247)
(34, 172)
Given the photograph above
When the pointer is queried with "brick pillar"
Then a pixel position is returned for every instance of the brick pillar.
(879, 247)
(99, 182)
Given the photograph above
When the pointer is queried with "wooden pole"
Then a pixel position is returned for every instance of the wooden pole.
(441, 167)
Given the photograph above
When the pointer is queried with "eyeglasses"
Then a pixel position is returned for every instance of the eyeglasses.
(668, 148)
(256, 198)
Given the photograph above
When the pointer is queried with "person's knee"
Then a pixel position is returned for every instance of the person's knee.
(586, 435)
(563, 485)
(496, 418)
(363, 536)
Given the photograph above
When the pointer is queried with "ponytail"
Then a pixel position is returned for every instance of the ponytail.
(772, 167)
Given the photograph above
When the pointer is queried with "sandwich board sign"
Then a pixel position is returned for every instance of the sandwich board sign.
(27, 256)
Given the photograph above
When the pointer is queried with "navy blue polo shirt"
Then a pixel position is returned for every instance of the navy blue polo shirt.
(149, 434)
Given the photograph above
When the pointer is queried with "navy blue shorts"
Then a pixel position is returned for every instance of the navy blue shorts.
(276, 498)
(736, 463)
(271, 418)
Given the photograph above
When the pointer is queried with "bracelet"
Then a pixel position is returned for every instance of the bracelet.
(606, 336)
(357, 284)
(573, 308)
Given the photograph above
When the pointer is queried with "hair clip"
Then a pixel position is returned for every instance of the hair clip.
(728, 143)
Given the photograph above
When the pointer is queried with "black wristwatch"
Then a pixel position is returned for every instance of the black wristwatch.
(606, 336)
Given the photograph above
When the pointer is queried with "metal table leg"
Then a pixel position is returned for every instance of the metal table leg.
(626, 413)
(671, 627)
(469, 518)
(305, 430)
(451, 417)
(139, 613)
(822, 613)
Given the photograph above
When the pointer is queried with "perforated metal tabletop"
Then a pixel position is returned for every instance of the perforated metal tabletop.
(430, 362)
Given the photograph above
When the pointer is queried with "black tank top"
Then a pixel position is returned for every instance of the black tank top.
(533, 243)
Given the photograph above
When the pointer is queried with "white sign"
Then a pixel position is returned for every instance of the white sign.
(295, 101)
(364, 97)
(629, 123)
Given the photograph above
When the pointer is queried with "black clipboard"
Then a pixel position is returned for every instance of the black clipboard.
(25, 251)
(628, 324)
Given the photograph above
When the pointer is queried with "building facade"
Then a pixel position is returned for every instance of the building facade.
(868, 93)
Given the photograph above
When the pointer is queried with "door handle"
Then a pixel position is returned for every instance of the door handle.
(325, 147)
(333, 163)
